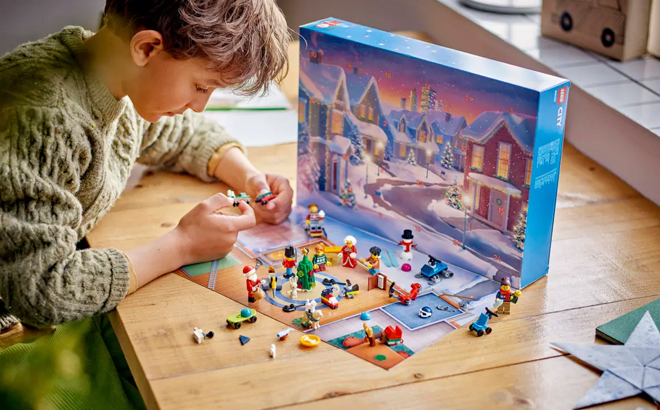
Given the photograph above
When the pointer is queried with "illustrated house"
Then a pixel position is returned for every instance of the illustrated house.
(412, 132)
(499, 151)
(323, 103)
(367, 113)
(445, 131)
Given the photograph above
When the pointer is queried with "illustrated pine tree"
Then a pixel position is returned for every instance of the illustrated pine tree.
(519, 230)
(411, 157)
(447, 157)
(353, 134)
(453, 197)
(347, 195)
(310, 171)
(388, 152)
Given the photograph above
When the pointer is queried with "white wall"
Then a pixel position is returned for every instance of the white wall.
(28, 20)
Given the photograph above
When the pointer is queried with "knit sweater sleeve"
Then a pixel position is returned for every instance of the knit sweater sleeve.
(184, 143)
(44, 280)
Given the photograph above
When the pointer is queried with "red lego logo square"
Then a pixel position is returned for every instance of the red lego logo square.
(561, 95)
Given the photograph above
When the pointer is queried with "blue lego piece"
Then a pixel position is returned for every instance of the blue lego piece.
(243, 339)
(365, 316)
(435, 270)
(480, 326)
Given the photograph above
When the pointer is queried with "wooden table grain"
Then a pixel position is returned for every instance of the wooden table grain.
(605, 261)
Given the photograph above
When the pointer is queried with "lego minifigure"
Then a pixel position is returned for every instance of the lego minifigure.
(305, 272)
(349, 252)
(320, 260)
(407, 244)
(272, 279)
(289, 261)
(252, 281)
(505, 297)
(373, 262)
(314, 221)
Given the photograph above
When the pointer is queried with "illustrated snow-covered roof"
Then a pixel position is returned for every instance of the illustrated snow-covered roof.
(488, 123)
(430, 146)
(358, 85)
(414, 119)
(445, 123)
(322, 81)
(395, 115)
(495, 183)
(368, 129)
(339, 145)
(388, 108)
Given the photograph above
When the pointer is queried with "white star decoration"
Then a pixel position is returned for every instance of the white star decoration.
(628, 370)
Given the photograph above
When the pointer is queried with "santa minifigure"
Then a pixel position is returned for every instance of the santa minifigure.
(252, 282)
(349, 253)
(407, 244)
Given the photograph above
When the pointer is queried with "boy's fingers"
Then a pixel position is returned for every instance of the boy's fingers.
(217, 201)
(245, 220)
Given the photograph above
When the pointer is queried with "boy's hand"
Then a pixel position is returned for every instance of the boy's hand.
(205, 235)
(276, 211)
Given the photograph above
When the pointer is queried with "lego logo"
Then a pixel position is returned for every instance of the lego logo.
(329, 23)
(561, 96)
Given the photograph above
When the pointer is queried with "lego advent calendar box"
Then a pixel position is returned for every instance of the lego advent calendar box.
(400, 137)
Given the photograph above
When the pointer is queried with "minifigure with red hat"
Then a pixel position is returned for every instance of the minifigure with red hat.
(253, 283)
(505, 297)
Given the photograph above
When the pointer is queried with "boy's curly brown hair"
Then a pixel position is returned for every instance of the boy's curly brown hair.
(244, 40)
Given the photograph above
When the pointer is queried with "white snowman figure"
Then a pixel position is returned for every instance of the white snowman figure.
(407, 244)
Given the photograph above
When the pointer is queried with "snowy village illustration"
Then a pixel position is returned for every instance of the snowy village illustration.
(413, 191)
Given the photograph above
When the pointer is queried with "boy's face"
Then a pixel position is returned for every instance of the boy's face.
(166, 86)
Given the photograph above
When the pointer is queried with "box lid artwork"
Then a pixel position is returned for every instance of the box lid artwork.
(396, 134)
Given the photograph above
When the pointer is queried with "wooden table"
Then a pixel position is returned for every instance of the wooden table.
(605, 262)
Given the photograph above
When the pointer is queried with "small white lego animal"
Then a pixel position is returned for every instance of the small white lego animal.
(293, 292)
(273, 352)
(310, 305)
(316, 319)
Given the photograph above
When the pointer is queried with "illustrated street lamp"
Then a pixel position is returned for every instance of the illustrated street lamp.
(367, 158)
(428, 161)
(466, 201)
(380, 151)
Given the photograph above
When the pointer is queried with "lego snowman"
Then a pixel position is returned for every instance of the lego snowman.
(407, 244)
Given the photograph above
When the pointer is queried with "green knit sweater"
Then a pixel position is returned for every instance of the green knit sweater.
(67, 147)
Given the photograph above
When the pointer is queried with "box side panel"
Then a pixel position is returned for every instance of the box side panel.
(543, 186)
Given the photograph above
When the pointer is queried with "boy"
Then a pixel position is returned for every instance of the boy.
(77, 110)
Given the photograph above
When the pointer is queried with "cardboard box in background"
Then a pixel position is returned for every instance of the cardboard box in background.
(615, 28)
